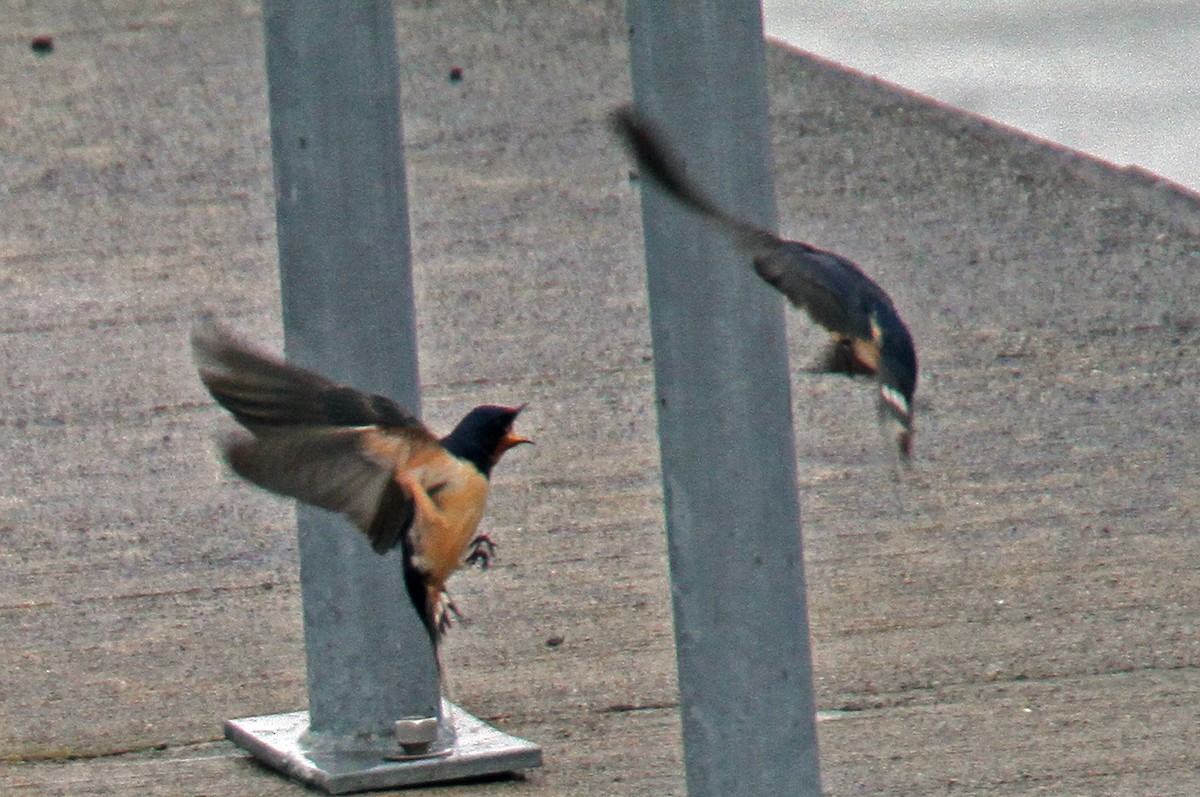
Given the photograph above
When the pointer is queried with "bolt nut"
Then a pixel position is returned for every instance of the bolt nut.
(415, 731)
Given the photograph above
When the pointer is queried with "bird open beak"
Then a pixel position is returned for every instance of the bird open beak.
(510, 440)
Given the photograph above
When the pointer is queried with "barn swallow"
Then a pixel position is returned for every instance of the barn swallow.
(364, 456)
(869, 337)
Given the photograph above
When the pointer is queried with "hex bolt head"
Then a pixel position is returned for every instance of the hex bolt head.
(416, 733)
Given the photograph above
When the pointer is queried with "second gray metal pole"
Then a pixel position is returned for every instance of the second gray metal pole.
(724, 413)
(348, 312)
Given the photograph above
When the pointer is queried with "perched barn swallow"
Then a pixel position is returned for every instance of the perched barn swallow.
(363, 456)
(869, 337)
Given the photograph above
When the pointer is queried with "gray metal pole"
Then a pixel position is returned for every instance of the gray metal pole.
(348, 312)
(724, 412)
(376, 717)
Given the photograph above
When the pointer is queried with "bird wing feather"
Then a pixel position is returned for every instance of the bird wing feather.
(335, 469)
(313, 439)
(265, 392)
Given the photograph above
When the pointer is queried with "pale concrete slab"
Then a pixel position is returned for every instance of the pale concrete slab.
(1015, 616)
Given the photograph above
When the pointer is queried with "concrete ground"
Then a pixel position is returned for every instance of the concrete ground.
(1015, 616)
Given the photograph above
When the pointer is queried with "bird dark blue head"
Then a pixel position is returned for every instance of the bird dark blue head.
(484, 435)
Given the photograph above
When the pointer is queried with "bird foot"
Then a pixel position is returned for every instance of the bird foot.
(448, 614)
(482, 552)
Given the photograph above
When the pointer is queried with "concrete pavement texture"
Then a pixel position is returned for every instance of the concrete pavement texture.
(1015, 615)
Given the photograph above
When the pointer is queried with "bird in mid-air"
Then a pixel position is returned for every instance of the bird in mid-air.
(364, 456)
(869, 337)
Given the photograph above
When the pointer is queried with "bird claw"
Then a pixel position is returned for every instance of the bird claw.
(482, 552)
(448, 614)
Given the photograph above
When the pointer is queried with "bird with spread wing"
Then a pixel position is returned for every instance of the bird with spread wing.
(869, 337)
(364, 456)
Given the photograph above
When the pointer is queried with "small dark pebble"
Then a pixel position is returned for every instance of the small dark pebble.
(42, 45)
(456, 74)
(555, 641)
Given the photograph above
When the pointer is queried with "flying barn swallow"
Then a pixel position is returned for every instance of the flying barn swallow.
(364, 456)
(869, 337)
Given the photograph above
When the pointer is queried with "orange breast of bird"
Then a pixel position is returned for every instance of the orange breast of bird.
(459, 493)
(867, 353)
(450, 507)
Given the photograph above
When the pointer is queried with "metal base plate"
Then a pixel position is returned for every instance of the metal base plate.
(479, 750)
